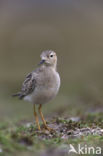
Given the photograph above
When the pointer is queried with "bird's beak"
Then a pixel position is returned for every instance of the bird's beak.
(41, 62)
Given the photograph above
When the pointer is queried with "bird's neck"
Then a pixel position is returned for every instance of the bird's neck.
(50, 67)
(54, 66)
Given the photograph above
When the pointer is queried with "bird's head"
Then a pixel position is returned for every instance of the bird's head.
(48, 58)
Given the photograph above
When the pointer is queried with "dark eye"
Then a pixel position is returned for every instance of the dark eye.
(51, 55)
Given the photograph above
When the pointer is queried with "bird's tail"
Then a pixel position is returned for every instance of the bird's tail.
(19, 95)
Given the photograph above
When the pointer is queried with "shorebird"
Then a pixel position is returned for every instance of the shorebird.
(42, 84)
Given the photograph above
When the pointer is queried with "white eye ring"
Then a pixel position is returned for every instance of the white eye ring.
(51, 55)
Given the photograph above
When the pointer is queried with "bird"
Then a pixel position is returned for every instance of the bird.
(41, 85)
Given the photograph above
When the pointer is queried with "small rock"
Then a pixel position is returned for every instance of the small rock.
(101, 130)
(76, 119)
(28, 124)
(1, 150)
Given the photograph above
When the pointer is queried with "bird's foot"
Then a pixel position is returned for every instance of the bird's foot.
(49, 129)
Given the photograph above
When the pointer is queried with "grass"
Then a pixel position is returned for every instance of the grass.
(20, 137)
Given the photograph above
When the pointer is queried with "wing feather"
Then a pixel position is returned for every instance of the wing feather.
(28, 86)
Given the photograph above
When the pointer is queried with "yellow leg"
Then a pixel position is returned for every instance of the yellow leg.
(42, 117)
(36, 118)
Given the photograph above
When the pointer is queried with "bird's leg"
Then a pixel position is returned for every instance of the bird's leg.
(36, 118)
(42, 117)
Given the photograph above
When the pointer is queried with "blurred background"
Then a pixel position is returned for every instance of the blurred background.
(72, 28)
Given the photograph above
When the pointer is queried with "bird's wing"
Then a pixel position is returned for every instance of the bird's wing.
(28, 85)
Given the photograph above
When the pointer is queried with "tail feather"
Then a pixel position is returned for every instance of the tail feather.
(19, 95)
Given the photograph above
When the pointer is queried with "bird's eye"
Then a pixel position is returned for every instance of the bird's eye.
(51, 55)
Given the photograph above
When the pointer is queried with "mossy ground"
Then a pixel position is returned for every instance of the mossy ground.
(22, 137)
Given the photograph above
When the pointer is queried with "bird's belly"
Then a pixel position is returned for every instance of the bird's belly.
(42, 95)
